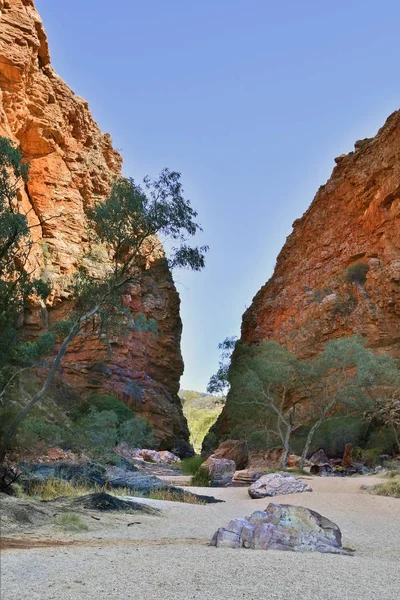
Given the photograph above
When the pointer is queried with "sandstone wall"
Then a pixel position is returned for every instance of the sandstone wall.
(354, 218)
(72, 165)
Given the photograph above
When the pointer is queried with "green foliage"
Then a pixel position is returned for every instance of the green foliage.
(219, 383)
(142, 323)
(96, 432)
(381, 440)
(130, 225)
(30, 353)
(137, 433)
(210, 443)
(99, 432)
(344, 306)
(332, 435)
(201, 478)
(199, 423)
(201, 412)
(191, 465)
(105, 402)
(357, 273)
(40, 430)
(269, 386)
(15, 247)
(393, 469)
(131, 216)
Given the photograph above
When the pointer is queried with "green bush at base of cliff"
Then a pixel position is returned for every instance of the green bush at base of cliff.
(191, 465)
(201, 478)
(104, 402)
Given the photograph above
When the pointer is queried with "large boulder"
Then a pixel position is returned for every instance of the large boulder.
(275, 484)
(281, 527)
(319, 458)
(221, 470)
(137, 481)
(233, 450)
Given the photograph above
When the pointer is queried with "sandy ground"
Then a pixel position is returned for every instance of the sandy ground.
(166, 557)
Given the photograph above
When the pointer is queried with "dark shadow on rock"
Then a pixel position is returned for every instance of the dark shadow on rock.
(105, 502)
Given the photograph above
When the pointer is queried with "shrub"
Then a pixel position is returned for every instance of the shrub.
(53, 488)
(393, 469)
(191, 465)
(105, 402)
(332, 436)
(96, 432)
(42, 430)
(389, 488)
(136, 432)
(357, 273)
(71, 522)
(201, 478)
(344, 306)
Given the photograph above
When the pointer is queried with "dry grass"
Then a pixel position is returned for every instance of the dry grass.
(71, 522)
(393, 470)
(173, 496)
(53, 488)
(389, 488)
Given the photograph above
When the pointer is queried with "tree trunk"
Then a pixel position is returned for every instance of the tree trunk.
(309, 440)
(9, 435)
(286, 446)
(396, 437)
(312, 431)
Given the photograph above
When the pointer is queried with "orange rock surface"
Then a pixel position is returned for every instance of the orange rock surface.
(312, 296)
(72, 165)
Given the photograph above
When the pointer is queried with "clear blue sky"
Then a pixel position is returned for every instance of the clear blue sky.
(249, 100)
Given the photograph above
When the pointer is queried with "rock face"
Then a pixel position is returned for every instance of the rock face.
(282, 527)
(275, 484)
(72, 165)
(233, 450)
(339, 271)
(221, 470)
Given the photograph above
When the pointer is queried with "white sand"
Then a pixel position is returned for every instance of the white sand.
(168, 558)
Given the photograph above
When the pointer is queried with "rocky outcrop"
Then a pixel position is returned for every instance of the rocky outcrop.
(276, 484)
(282, 527)
(72, 165)
(339, 271)
(233, 450)
(220, 470)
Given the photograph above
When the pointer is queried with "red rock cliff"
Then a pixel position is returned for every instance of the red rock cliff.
(312, 297)
(72, 165)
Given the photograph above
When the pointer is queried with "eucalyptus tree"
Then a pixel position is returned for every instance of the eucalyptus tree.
(129, 226)
(270, 388)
